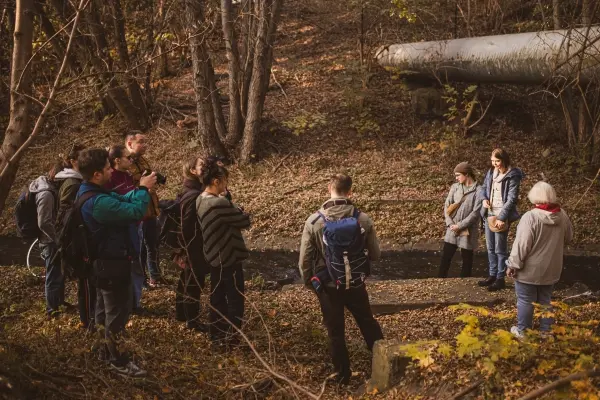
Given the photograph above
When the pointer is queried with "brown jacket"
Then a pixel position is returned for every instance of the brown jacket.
(138, 166)
(312, 249)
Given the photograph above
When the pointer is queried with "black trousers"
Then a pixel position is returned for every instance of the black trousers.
(356, 300)
(448, 253)
(112, 312)
(86, 302)
(227, 296)
(189, 288)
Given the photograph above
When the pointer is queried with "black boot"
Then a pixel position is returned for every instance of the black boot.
(497, 285)
(487, 282)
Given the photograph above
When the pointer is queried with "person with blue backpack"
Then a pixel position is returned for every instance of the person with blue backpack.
(338, 245)
(107, 218)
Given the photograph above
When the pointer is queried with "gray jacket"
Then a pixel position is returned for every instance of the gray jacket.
(47, 207)
(466, 217)
(537, 253)
(312, 249)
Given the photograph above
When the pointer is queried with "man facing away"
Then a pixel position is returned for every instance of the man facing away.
(347, 291)
(148, 229)
(107, 217)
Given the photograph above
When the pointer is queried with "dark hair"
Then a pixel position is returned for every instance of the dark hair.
(55, 169)
(73, 154)
(341, 183)
(188, 165)
(91, 161)
(212, 168)
(503, 156)
(116, 151)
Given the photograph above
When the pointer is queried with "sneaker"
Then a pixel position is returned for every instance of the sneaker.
(156, 283)
(517, 333)
(341, 380)
(130, 370)
(497, 285)
(487, 282)
(54, 314)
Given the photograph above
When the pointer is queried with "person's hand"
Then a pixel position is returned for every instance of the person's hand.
(148, 181)
(454, 228)
(511, 272)
(500, 224)
(486, 204)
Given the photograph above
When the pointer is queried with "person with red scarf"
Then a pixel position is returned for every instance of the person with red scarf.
(536, 258)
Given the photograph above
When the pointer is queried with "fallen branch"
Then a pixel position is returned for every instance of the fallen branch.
(467, 390)
(561, 382)
(281, 162)
(278, 84)
(587, 190)
(474, 124)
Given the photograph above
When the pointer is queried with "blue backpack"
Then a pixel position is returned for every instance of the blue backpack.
(345, 254)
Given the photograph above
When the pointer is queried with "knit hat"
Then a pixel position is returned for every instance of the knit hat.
(465, 168)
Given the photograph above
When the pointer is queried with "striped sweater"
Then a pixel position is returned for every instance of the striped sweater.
(221, 223)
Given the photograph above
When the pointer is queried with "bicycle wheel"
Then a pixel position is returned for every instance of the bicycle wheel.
(35, 260)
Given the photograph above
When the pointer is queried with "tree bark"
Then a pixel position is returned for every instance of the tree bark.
(250, 9)
(18, 126)
(215, 96)
(135, 92)
(207, 132)
(233, 57)
(57, 45)
(267, 24)
(556, 14)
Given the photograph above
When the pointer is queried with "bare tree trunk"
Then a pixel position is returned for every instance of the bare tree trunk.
(233, 57)
(163, 68)
(250, 11)
(215, 97)
(50, 32)
(556, 14)
(207, 132)
(137, 97)
(269, 12)
(20, 88)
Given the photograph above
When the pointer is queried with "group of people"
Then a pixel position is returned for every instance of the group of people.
(114, 192)
(536, 258)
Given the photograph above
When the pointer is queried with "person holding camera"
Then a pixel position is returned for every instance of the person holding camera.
(121, 182)
(338, 219)
(107, 218)
(148, 229)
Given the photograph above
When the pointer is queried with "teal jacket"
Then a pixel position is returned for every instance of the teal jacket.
(108, 216)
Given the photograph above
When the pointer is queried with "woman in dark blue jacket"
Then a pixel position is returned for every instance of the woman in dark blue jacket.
(500, 194)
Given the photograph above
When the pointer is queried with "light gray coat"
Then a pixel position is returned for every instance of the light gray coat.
(466, 217)
(537, 253)
(47, 206)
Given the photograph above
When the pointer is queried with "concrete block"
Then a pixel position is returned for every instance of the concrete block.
(389, 365)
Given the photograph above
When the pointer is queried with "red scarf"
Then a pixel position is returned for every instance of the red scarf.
(553, 208)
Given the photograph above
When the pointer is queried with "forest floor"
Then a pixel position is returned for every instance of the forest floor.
(55, 359)
(320, 119)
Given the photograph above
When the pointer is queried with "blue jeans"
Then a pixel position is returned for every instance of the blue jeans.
(527, 295)
(497, 248)
(137, 283)
(148, 233)
(55, 280)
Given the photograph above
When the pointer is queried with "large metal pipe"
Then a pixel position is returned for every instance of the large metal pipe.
(526, 58)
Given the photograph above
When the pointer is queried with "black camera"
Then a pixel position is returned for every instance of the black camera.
(160, 178)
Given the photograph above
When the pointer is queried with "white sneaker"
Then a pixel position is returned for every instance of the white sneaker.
(517, 333)
(129, 369)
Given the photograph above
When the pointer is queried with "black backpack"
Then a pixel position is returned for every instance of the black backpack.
(26, 215)
(169, 222)
(73, 240)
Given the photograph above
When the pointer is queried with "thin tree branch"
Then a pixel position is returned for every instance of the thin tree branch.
(559, 383)
(42, 118)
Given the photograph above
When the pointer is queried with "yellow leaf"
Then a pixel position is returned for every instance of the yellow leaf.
(419, 146)
(443, 146)
(166, 390)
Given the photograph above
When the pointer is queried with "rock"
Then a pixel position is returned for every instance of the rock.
(389, 365)
(427, 102)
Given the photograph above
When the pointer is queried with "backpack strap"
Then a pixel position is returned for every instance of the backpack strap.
(356, 213)
(319, 217)
(85, 197)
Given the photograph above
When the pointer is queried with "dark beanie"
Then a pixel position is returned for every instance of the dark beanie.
(465, 168)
